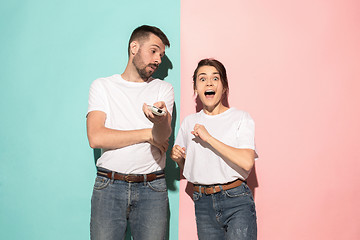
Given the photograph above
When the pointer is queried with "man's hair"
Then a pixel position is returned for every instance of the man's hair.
(143, 32)
(219, 66)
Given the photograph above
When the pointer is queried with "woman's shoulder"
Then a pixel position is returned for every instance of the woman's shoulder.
(240, 114)
(191, 117)
(235, 111)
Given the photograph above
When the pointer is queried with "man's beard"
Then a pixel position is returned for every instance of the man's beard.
(142, 71)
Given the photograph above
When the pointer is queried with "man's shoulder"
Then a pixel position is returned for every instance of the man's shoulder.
(105, 81)
(159, 82)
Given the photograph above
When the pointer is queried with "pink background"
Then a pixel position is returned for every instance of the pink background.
(294, 66)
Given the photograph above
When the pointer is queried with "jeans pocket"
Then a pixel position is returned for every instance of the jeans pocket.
(196, 196)
(101, 182)
(158, 185)
(242, 190)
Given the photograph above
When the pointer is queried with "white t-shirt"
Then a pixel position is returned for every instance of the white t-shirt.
(203, 164)
(122, 102)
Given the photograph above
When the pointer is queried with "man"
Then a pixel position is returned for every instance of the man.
(130, 184)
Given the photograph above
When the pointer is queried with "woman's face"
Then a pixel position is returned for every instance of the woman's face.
(209, 87)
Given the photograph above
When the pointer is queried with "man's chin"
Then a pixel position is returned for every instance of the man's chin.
(145, 74)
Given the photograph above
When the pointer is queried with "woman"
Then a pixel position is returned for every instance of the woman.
(215, 148)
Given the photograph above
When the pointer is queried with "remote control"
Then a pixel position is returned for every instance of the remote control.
(157, 111)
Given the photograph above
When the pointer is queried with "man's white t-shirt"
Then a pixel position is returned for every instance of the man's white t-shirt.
(203, 164)
(122, 102)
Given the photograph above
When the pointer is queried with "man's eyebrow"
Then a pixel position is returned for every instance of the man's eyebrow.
(155, 45)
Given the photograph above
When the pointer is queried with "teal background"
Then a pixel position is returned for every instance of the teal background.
(51, 51)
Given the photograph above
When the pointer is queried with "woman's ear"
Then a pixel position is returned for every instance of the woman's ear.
(195, 90)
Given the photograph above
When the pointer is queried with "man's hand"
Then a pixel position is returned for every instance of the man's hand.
(161, 129)
(151, 116)
(161, 146)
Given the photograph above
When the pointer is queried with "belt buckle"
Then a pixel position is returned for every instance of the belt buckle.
(212, 190)
(127, 179)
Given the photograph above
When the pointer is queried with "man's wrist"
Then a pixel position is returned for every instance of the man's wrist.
(147, 136)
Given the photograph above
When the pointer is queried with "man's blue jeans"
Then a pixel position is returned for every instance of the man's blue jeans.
(228, 214)
(114, 203)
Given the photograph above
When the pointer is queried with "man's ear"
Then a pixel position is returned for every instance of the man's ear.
(134, 47)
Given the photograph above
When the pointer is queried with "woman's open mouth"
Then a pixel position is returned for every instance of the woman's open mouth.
(209, 93)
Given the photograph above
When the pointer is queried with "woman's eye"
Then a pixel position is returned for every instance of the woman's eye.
(216, 78)
(202, 79)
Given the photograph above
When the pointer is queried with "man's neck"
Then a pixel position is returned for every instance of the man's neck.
(130, 74)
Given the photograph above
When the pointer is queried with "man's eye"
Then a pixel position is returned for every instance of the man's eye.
(216, 78)
(202, 79)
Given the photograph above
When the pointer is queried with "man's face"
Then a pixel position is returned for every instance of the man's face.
(148, 57)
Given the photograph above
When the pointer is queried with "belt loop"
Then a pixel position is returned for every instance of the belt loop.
(221, 188)
(200, 190)
(112, 176)
(145, 178)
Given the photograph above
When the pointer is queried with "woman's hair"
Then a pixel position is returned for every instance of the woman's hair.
(221, 69)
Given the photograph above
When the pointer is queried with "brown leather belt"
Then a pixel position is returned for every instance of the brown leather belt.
(131, 178)
(216, 188)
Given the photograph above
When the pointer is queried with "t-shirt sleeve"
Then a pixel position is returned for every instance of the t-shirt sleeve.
(97, 98)
(246, 132)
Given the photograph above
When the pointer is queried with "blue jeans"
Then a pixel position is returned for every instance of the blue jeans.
(228, 214)
(114, 203)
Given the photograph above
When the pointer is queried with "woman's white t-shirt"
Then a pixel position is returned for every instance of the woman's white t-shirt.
(203, 164)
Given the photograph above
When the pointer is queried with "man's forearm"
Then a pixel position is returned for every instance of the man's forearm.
(161, 131)
(112, 139)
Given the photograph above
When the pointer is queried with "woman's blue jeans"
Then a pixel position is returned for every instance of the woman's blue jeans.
(114, 203)
(228, 214)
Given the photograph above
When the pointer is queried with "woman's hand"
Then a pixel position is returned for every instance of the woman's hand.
(178, 155)
(201, 132)
(244, 158)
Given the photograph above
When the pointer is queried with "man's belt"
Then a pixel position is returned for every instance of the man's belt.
(132, 178)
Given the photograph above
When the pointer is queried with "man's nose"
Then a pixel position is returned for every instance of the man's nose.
(158, 60)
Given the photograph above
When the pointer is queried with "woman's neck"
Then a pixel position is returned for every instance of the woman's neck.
(214, 110)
